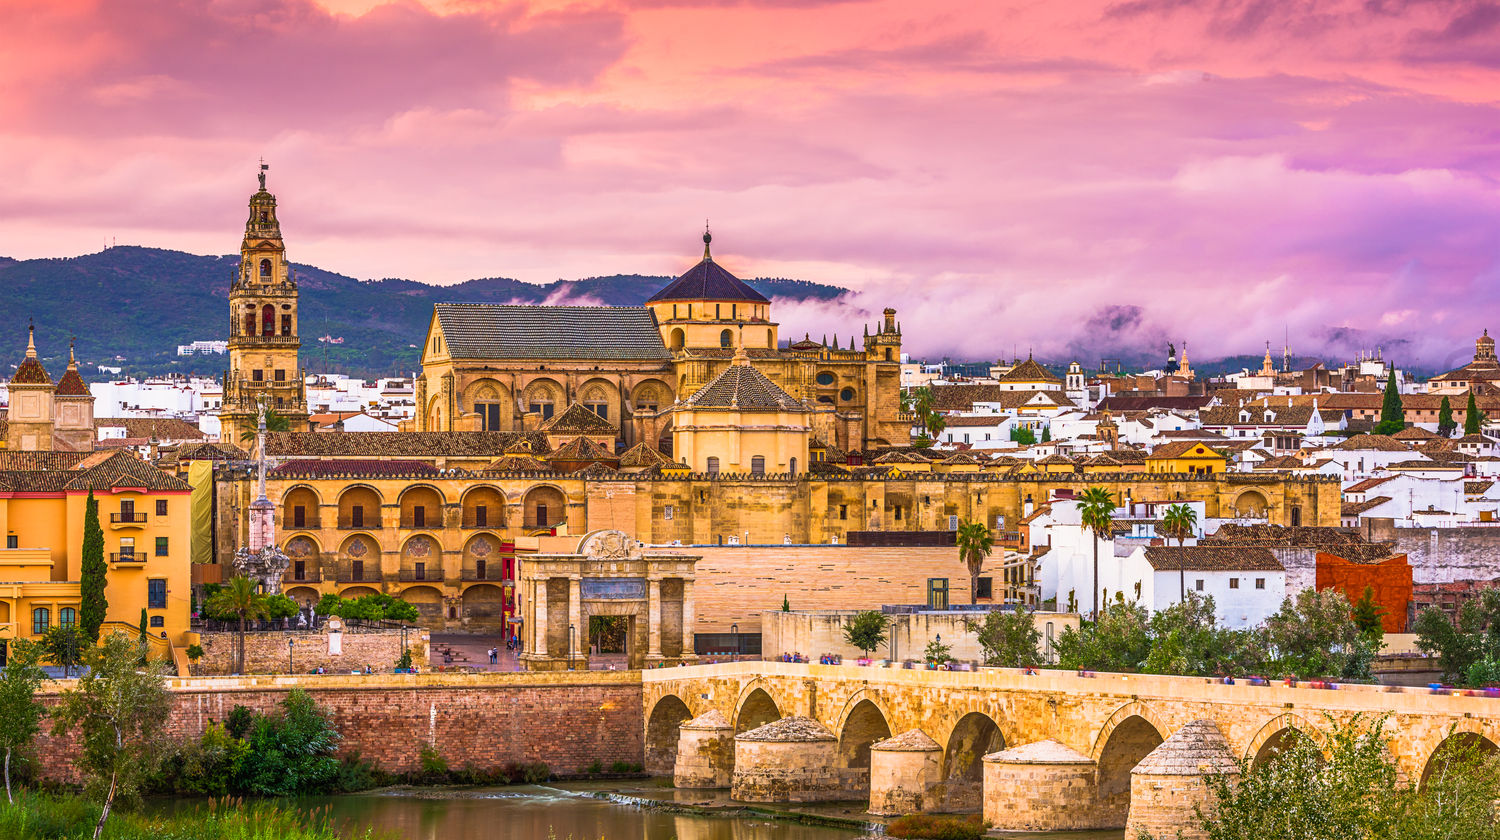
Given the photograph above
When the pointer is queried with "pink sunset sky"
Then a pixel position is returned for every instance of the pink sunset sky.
(1075, 177)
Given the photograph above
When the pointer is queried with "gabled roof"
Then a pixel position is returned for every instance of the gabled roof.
(1182, 448)
(743, 387)
(1200, 558)
(395, 444)
(1372, 442)
(158, 428)
(72, 384)
(578, 419)
(581, 449)
(708, 281)
(81, 471)
(1368, 484)
(505, 331)
(315, 468)
(642, 455)
(1357, 508)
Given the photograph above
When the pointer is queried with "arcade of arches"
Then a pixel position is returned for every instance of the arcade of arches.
(950, 728)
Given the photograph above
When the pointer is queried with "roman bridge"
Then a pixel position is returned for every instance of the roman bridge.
(1109, 722)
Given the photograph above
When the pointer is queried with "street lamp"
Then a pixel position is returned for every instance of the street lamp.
(570, 647)
(734, 630)
(289, 642)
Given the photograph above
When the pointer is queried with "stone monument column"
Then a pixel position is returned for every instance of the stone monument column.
(689, 653)
(653, 620)
(539, 615)
(575, 618)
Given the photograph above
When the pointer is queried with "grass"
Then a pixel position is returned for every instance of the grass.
(45, 817)
(924, 827)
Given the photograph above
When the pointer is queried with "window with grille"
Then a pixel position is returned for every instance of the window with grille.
(156, 593)
(161, 507)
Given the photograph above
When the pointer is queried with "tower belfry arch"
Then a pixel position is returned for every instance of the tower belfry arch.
(264, 337)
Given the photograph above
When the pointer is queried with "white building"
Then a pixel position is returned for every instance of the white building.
(203, 348)
(1247, 584)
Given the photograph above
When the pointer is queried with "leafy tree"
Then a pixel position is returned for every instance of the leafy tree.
(281, 606)
(1118, 640)
(20, 713)
(975, 543)
(866, 630)
(242, 600)
(1186, 639)
(1367, 614)
(1473, 418)
(1178, 523)
(291, 752)
(1009, 639)
(937, 652)
(374, 607)
(1025, 437)
(1474, 639)
(1392, 417)
(92, 603)
(119, 710)
(1095, 507)
(1446, 424)
(64, 644)
(1314, 635)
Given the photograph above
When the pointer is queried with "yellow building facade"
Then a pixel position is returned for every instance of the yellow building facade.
(144, 514)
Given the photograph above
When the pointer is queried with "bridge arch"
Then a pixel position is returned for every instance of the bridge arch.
(1464, 740)
(1130, 734)
(972, 737)
(1280, 734)
(755, 707)
(862, 723)
(663, 727)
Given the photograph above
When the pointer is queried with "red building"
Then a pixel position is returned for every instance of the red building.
(1389, 577)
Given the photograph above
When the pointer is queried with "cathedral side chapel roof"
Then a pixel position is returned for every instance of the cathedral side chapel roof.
(742, 386)
(579, 419)
(504, 331)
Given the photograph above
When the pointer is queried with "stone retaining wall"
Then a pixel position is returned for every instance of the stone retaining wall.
(266, 652)
(566, 721)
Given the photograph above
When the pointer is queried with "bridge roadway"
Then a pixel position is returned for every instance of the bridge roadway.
(1113, 719)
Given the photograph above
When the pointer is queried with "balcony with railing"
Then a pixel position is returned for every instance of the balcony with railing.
(489, 573)
(127, 519)
(128, 558)
(308, 574)
(357, 573)
(420, 575)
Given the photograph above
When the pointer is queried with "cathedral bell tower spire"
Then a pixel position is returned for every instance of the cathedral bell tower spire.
(263, 327)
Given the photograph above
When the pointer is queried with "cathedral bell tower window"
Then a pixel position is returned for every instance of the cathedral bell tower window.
(286, 325)
(265, 267)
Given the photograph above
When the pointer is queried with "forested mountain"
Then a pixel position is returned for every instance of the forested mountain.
(132, 306)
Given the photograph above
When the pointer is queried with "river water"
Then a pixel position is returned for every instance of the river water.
(576, 812)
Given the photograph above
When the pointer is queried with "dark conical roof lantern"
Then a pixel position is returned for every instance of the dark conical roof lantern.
(708, 281)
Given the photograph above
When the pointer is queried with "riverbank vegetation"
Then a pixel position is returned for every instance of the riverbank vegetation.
(1349, 787)
(1468, 650)
(35, 816)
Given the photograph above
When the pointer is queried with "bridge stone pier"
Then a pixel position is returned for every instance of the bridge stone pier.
(1100, 728)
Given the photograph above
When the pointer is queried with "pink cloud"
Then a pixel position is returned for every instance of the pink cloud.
(1073, 178)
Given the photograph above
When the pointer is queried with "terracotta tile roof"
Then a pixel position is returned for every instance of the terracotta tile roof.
(1474, 488)
(101, 471)
(158, 428)
(581, 449)
(503, 331)
(642, 455)
(1356, 508)
(30, 372)
(1181, 448)
(579, 419)
(1212, 558)
(211, 451)
(708, 281)
(1029, 371)
(518, 463)
(32, 461)
(742, 386)
(1119, 403)
(975, 422)
(1343, 541)
(1368, 484)
(310, 468)
(1372, 442)
(72, 384)
(961, 398)
(1476, 438)
(1415, 433)
(596, 470)
(1425, 464)
(396, 444)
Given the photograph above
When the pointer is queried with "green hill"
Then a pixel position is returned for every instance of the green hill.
(131, 307)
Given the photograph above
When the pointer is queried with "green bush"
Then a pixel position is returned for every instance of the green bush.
(624, 767)
(42, 817)
(595, 768)
(434, 766)
(924, 827)
(535, 773)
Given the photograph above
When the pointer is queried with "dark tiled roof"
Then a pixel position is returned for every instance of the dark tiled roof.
(1345, 542)
(1128, 403)
(1378, 443)
(396, 444)
(742, 386)
(503, 331)
(708, 281)
(30, 372)
(71, 384)
(1356, 508)
(30, 461)
(517, 463)
(1415, 433)
(578, 419)
(642, 455)
(581, 449)
(210, 451)
(160, 428)
(64, 471)
(314, 468)
(1212, 558)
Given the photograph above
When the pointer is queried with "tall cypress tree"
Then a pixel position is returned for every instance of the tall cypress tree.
(1472, 417)
(93, 605)
(1445, 419)
(1392, 418)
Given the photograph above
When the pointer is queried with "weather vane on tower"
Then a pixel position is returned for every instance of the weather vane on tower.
(262, 175)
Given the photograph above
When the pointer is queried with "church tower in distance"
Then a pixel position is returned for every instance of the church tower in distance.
(263, 342)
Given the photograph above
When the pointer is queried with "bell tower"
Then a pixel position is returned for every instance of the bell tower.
(263, 329)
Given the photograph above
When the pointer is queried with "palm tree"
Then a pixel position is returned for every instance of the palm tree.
(975, 542)
(1178, 523)
(1095, 506)
(239, 598)
(274, 423)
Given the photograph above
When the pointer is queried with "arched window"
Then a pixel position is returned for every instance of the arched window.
(268, 320)
(792, 466)
(250, 323)
(713, 466)
(41, 620)
(726, 339)
(758, 465)
(678, 339)
(265, 268)
(67, 616)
